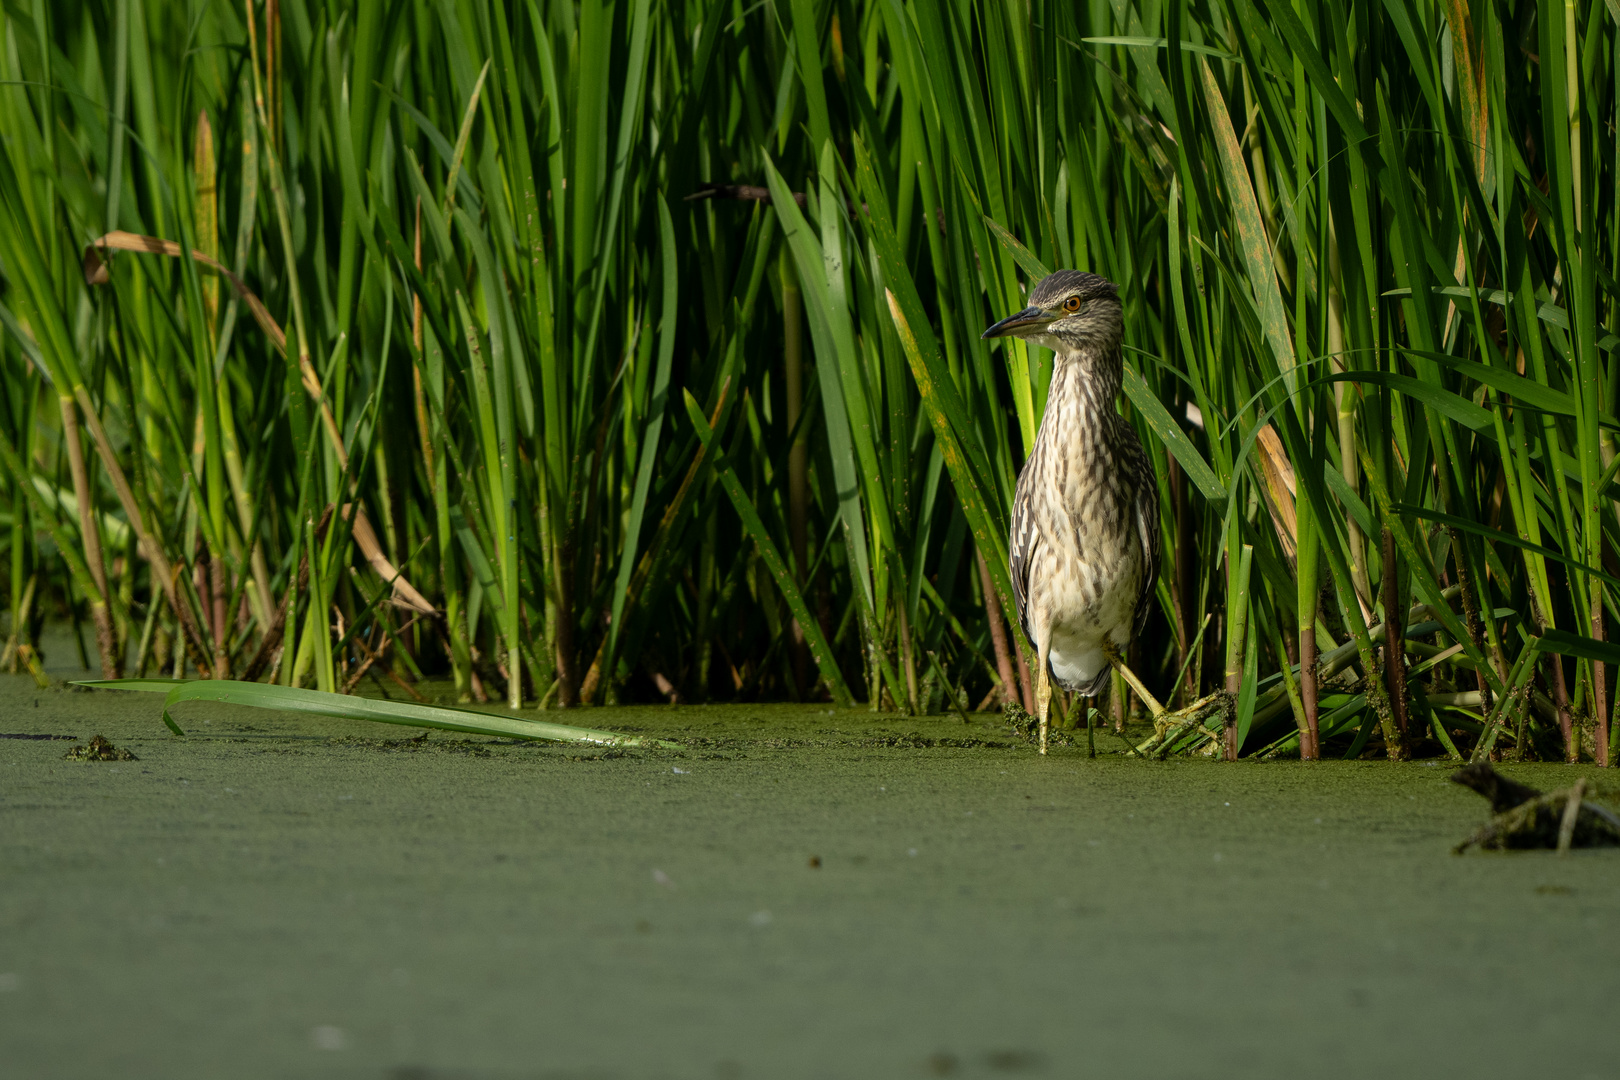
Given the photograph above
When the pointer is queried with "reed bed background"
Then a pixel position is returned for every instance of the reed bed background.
(628, 351)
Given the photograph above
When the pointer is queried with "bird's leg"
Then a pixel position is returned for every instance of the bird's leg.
(1043, 694)
(1091, 740)
(1130, 676)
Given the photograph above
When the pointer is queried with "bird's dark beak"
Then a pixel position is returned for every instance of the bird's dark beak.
(1009, 327)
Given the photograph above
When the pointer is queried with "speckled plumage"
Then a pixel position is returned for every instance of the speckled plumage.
(1084, 546)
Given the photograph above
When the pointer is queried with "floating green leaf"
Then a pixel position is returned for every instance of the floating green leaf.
(348, 707)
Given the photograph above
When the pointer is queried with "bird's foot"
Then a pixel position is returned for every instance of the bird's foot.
(1169, 727)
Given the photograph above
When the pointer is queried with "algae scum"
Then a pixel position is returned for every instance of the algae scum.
(797, 894)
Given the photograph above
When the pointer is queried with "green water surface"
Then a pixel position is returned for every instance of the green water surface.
(284, 897)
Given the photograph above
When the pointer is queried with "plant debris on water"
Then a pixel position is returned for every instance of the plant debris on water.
(1527, 818)
(99, 749)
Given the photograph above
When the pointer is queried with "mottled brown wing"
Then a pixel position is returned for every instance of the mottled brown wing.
(1021, 541)
(1147, 524)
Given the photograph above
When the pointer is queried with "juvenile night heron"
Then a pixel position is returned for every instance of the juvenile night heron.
(1085, 523)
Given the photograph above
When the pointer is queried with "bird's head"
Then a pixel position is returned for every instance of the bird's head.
(1068, 310)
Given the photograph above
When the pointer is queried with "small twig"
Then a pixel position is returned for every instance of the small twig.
(1192, 651)
(373, 656)
(365, 665)
(755, 193)
(950, 691)
(1572, 814)
(745, 192)
(1130, 751)
(278, 625)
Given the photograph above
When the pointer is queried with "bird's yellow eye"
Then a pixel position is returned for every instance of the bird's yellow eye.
(1072, 305)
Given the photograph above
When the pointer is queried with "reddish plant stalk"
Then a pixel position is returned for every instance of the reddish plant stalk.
(1394, 651)
(998, 634)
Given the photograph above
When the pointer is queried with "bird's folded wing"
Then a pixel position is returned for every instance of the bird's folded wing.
(1021, 542)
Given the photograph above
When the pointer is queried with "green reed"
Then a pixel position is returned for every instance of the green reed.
(592, 351)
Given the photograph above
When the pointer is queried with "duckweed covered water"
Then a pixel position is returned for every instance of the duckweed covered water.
(798, 894)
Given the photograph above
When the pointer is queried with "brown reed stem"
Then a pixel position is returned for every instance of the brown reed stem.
(1394, 656)
(90, 536)
(998, 633)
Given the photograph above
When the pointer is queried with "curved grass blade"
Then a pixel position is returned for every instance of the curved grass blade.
(954, 428)
(1451, 406)
(1498, 536)
(848, 436)
(655, 425)
(1175, 440)
(95, 273)
(1021, 254)
(1525, 391)
(1251, 232)
(344, 707)
(1321, 76)
(1553, 640)
(813, 637)
(1162, 43)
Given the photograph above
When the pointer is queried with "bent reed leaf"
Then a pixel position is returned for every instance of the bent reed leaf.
(348, 707)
